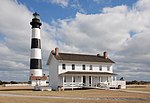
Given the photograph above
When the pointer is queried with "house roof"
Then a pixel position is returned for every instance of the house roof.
(82, 57)
(86, 72)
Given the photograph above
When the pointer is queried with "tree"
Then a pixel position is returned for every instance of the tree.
(1, 82)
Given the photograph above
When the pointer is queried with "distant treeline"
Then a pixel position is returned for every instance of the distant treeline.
(137, 82)
(12, 82)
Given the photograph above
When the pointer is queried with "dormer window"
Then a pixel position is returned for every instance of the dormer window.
(63, 66)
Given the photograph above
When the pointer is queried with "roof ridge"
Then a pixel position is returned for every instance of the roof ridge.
(81, 54)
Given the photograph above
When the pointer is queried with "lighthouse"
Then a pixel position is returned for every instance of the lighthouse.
(36, 76)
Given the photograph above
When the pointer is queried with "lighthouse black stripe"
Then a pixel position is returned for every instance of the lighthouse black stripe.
(36, 43)
(35, 64)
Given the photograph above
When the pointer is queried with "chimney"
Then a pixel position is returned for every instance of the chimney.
(53, 52)
(98, 55)
(105, 55)
(56, 51)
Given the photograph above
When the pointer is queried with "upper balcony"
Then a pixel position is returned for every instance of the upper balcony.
(76, 67)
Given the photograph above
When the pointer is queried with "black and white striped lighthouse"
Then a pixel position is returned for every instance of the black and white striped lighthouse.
(36, 58)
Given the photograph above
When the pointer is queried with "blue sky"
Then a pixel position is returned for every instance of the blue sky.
(120, 27)
(49, 10)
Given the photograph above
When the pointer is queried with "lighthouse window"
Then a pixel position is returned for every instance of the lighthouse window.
(36, 43)
(63, 66)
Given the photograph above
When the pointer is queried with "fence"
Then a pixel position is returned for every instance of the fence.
(7, 85)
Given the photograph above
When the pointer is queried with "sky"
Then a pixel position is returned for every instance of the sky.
(120, 27)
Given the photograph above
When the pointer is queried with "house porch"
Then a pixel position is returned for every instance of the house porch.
(71, 81)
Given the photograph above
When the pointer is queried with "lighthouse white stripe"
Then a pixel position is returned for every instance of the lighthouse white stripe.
(36, 33)
(36, 53)
(36, 72)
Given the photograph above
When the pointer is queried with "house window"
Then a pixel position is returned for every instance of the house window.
(108, 68)
(73, 66)
(63, 66)
(83, 67)
(100, 68)
(64, 78)
(90, 67)
(73, 78)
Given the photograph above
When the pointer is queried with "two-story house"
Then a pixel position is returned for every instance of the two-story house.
(80, 70)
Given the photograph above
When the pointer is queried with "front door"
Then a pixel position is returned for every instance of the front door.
(90, 81)
(84, 80)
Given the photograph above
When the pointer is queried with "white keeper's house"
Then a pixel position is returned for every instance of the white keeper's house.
(71, 71)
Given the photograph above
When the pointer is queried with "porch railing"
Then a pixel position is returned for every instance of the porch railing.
(104, 85)
(72, 84)
(80, 84)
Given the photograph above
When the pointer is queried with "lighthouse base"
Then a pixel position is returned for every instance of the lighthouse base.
(39, 83)
(42, 88)
(38, 80)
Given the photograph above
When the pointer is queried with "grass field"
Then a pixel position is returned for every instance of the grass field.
(72, 94)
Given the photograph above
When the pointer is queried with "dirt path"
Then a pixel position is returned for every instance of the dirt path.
(74, 98)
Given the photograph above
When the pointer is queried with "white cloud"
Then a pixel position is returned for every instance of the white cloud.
(102, 1)
(68, 3)
(63, 3)
(98, 31)
(76, 5)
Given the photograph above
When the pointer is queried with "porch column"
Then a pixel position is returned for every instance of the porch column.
(63, 81)
(107, 79)
(115, 78)
(72, 82)
(116, 83)
(91, 80)
(111, 80)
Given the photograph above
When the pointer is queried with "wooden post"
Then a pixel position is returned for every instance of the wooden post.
(91, 81)
(63, 81)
